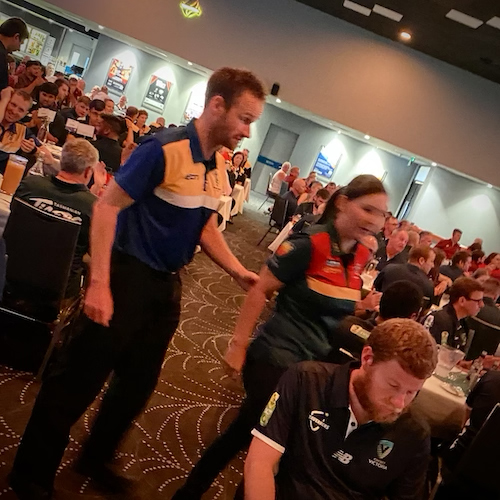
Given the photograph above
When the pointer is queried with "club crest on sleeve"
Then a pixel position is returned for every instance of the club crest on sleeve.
(284, 248)
(384, 447)
(269, 409)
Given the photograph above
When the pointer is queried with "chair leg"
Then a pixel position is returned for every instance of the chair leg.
(262, 239)
(263, 203)
(56, 335)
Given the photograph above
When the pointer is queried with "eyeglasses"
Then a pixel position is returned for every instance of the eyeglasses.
(475, 300)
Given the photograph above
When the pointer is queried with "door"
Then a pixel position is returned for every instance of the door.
(276, 149)
(79, 56)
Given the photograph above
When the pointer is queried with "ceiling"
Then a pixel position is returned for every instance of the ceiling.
(473, 46)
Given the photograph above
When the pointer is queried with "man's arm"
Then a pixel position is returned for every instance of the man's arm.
(260, 466)
(215, 246)
(98, 300)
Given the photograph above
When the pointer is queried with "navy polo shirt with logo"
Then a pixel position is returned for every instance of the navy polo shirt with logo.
(175, 191)
(321, 286)
(326, 454)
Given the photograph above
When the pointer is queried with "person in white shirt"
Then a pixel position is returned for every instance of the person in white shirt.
(279, 177)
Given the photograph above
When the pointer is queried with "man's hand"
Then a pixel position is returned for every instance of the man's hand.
(27, 145)
(127, 151)
(98, 303)
(39, 81)
(440, 288)
(247, 279)
(6, 93)
(370, 302)
(235, 357)
(100, 174)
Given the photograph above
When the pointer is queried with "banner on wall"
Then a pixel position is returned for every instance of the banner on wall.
(323, 166)
(194, 106)
(157, 92)
(118, 76)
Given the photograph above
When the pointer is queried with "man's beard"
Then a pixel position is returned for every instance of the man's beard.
(381, 412)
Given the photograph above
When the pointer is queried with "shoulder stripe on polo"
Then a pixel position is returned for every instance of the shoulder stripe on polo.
(336, 292)
(268, 441)
(182, 201)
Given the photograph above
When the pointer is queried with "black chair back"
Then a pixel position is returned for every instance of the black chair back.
(3, 265)
(278, 215)
(283, 188)
(40, 248)
(481, 462)
(483, 336)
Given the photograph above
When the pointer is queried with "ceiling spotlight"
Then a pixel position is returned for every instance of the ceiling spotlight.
(434, 164)
(51, 21)
(367, 137)
(101, 27)
(405, 36)
(190, 63)
(339, 132)
(489, 185)
(278, 100)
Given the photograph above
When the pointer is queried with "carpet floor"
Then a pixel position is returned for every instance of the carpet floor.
(194, 400)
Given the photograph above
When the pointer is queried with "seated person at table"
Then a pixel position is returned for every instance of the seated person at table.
(31, 77)
(482, 399)
(298, 187)
(107, 144)
(278, 178)
(346, 431)
(237, 162)
(66, 195)
(420, 262)
(311, 207)
(446, 326)
(390, 225)
(45, 96)
(15, 137)
(292, 176)
(460, 264)
(132, 134)
(490, 312)
(450, 247)
(392, 252)
(310, 193)
(79, 113)
(401, 299)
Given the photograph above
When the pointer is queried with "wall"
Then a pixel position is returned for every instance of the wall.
(447, 201)
(144, 65)
(331, 68)
(70, 39)
(357, 157)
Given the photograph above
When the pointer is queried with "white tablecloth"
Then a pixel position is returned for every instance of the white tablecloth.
(239, 196)
(225, 210)
(282, 236)
(442, 410)
(246, 187)
(5, 200)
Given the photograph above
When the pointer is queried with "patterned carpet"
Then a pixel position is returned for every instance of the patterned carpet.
(193, 402)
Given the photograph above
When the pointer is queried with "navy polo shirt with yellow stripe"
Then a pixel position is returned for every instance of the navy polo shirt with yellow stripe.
(175, 191)
(321, 286)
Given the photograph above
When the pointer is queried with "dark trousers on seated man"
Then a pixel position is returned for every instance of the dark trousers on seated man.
(146, 314)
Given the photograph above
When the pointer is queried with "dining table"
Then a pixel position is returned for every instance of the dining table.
(238, 194)
(225, 210)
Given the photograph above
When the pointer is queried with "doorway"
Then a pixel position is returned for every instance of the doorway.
(277, 148)
(79, 56)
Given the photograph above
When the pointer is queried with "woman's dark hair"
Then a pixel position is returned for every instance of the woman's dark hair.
(235, 155)
(490, 257)
(474, 247)
(362, 185)
(440, 256)
(477, 254)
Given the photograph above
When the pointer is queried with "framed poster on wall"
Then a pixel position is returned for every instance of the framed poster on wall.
(194, 106)
(118, 76)
(156, 93)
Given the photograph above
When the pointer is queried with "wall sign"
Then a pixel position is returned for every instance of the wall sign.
(322, 166)
(191, 8)
(157, 92)
(118, 76)
(194, 107)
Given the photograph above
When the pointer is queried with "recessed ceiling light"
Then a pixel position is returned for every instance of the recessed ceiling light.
(489, 185)
(339, 132)
(404, 35)
(51, 21)
(494, 22)
(367, 137)
(462, 18)
(278, 100)
(101, 27)
(434, 164)
(390, 14)
(360, 9)
(71, 30)
(190, 63)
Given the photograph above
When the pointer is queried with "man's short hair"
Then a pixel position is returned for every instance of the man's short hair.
(61, 81)
(463, 287)
(115, 123)
(476, 255)
(97, 104)
(49, 88)
(142, 112)
(131, 111)
(323, 193)
(230, 83)
(460, 256)
(84, 99)
(14, 26)
(456, 230)
(33, 63)
(408, 343)
(401, 299)
(482, 271)
(77, 155)
(420, 252)
(492, 287)
(425, 233)
(24, 95)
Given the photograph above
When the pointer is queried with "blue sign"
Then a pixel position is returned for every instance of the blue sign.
(322, 166)
(269, 162)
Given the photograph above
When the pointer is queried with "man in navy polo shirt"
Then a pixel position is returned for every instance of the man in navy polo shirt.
(145, 228)
(343, 431)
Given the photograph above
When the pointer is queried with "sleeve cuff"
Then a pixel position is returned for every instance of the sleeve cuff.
(268, 441)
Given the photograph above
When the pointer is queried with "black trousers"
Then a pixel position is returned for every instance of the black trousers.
(146, 314)
(260, 380)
